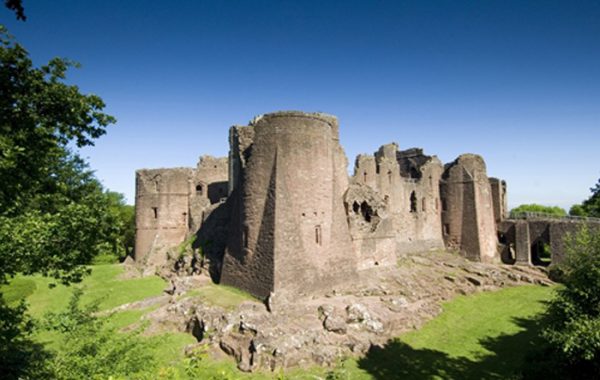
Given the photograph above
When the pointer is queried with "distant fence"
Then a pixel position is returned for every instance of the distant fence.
(543, 215)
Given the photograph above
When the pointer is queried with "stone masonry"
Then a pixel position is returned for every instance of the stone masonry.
(280, 215)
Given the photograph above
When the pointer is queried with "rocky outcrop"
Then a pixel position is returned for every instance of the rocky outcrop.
(321, 330)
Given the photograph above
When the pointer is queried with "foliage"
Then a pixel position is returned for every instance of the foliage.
(574, 315)
(17, 7)
(589, 207)
(94, 350)
(53, 212)
(552, 210)
(20, 356)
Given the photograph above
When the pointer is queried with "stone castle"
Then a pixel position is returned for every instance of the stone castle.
(281, 216)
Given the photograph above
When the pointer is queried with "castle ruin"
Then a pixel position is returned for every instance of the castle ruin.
(282, 216)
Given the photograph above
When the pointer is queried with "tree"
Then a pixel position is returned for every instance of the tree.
(589, 207)
(552, 210)
(52, 210)
(574, 314)
(17, 7)
(54, 214)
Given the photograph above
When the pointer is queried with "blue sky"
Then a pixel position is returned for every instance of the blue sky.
(515, 81)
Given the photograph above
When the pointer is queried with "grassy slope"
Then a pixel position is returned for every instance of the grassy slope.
(105, 286)
(484, 336)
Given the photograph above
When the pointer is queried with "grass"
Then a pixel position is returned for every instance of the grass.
(224, 296)
(103, 285)
(481, 336)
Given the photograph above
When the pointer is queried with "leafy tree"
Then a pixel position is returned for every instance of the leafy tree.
(54, 214)
(589, 207)
(52, 210)
(552, 210)
(574, 314)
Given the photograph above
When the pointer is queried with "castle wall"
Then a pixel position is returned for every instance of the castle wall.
(467, 212)
(407, 181)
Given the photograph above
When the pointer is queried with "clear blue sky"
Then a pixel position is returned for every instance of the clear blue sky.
(515, 81)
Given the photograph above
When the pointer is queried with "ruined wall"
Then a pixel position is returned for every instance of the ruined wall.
(524, 237)
(289, 226)
(499, 199)
(171, 204)
(208, 186)
(162, 212)
(408, 183)
(467, 211)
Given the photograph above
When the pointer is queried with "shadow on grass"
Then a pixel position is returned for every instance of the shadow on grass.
(505, 359)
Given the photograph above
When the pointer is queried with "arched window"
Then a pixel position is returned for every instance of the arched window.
(199, 189)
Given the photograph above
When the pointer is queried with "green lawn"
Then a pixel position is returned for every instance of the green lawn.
(103, 285)
(224, 296)
(482, 336)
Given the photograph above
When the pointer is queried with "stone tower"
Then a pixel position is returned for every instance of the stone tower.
(289, 233)
(468, 220)
(162, 212)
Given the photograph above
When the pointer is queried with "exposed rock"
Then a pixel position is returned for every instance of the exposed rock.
(321, 329)
(473, 280)
(357, 313)
(335, 324)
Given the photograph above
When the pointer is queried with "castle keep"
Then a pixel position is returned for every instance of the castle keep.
(281, 215)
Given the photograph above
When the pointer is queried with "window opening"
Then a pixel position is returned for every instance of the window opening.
(413, 202)
(446, 229)
(318, 237)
